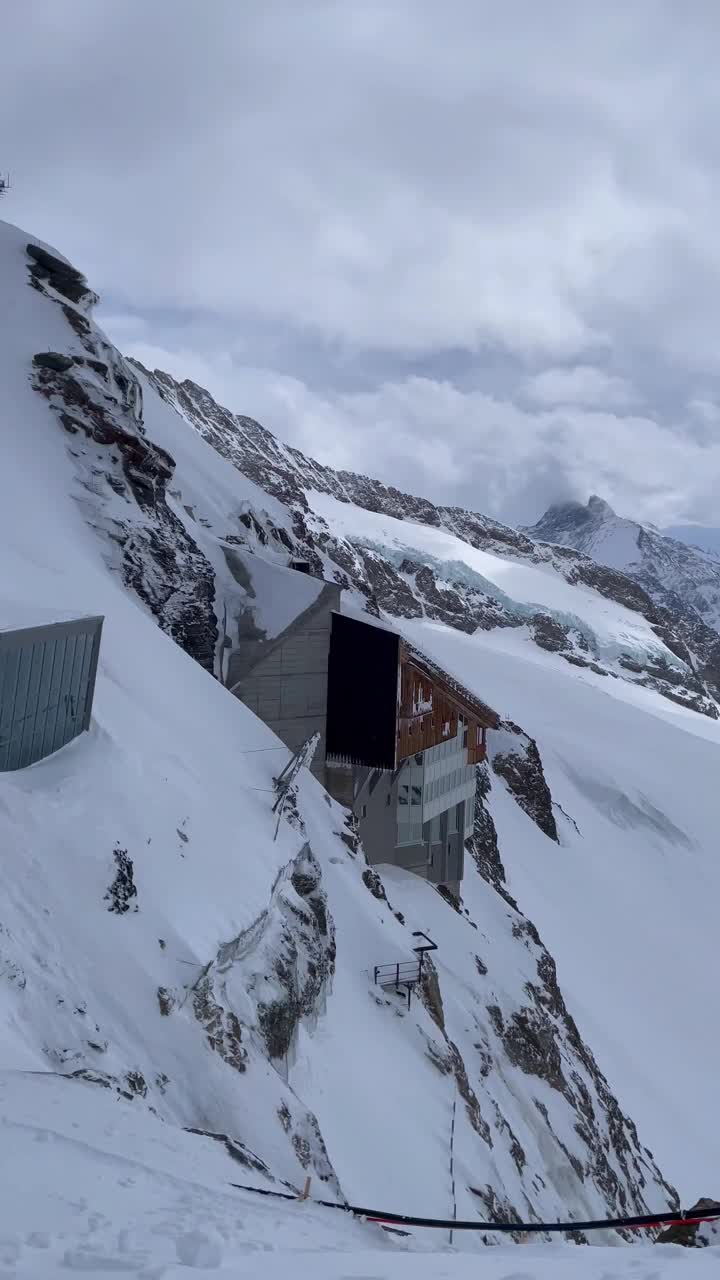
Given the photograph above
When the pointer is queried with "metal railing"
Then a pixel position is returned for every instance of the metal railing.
(403, 974)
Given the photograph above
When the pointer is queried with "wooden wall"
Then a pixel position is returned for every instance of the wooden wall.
(419, 728)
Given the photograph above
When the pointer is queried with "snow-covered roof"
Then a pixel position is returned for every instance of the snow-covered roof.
(277, 594)
(16, 617)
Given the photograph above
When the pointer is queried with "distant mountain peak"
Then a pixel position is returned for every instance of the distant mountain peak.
(599, 507)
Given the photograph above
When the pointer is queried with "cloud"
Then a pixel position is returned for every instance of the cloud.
(579, 385)
(468, 448)
(488, 199)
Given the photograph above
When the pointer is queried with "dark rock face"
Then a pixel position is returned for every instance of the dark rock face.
(516, 759)
(304, 958)
(46, 269)
(53, 360)
(99, 404)
(388, 589)
(222, 1026)
(122, 894)
(285, 961)
(237, 1151)
(483, 846)
(540, 1038)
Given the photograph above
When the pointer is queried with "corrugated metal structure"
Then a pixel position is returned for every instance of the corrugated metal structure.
(47, 683)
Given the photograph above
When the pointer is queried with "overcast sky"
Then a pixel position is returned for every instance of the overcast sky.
(469, 246)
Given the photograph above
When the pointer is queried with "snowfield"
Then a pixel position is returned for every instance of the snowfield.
(629, 904)
(168, 1009)
(117, 1192)
(523, 588)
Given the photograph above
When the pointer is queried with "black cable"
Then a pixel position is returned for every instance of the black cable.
(407, 1220)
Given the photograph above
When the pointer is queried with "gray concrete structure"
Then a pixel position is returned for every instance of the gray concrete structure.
(47, 683)
(419, 816)
(283, 679)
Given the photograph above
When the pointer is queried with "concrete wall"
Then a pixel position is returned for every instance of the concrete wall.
(284, 681)
(376, 806)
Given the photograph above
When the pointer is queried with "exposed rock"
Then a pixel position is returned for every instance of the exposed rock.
(136, 1083)
(515, 758)
(483, 845)
(529, 1045)
(431, 995)
(372, 881)
(237, 1151)
(122, 892)
(390, 590)
(222, 1026)
(695, 1235)
(60, 276)
(53, 360)
(158, 559)
(166, 1000)
(549, 634)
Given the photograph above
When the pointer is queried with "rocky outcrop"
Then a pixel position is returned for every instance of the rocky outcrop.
(98, 402)
(49, 271)
(515, 758)
(534, 1032)
(695, 1235)
(274, 974)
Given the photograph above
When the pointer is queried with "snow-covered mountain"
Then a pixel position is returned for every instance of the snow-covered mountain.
(696, 535)
(235, 996)
(675, 573)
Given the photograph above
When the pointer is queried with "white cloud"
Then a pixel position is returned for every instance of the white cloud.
(387, 176)
(465, 447)
(400, 187)
(578, 385)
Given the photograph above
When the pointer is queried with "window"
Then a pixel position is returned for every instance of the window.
(404, 793)
(416, 795)
(363, 811)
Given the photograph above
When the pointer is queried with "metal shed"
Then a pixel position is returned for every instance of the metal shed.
(47, 683)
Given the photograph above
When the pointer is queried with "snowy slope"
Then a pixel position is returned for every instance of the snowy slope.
(667, 564)
(626, 813)
(523, 588)
(238, 998)
(628, 904)
(116, 1192)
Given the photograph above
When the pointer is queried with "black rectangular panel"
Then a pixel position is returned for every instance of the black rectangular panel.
(362, 693)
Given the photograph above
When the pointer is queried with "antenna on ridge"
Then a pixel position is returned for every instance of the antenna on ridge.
(5, 184)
